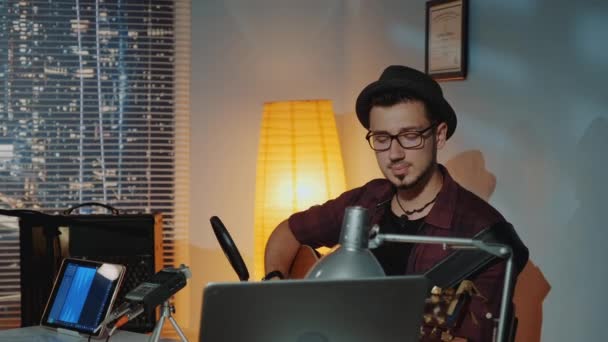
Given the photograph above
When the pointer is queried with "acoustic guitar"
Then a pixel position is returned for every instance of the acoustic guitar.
(305, 259)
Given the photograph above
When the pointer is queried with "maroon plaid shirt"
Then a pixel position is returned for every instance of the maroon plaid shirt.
(456, 213)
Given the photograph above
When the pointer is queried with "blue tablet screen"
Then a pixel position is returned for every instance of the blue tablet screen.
(82, 296)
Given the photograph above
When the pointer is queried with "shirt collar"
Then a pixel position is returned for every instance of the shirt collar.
(442, 212)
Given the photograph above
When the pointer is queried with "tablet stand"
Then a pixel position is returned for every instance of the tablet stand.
(166, 311)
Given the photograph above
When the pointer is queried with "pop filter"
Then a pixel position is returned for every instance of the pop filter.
(229, 248)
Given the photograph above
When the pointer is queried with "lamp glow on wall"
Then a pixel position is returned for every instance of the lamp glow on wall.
(299, 165)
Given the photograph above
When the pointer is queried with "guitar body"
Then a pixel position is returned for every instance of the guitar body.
(304, 260)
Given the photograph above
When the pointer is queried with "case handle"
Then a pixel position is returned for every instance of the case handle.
(88, 204)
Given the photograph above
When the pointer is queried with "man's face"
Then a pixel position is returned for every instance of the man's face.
(405, 168)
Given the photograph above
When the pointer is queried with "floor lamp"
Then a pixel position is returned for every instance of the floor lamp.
(299, 165)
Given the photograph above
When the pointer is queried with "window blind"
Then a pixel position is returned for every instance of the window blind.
(94, 106)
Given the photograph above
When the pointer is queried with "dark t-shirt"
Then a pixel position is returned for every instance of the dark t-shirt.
(393, 256)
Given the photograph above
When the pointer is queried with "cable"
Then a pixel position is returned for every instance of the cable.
(121, 321)
(134, 312)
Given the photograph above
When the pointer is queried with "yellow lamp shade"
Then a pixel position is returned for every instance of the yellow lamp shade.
(299, 165)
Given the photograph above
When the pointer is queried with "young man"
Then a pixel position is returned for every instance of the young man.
(408, 121)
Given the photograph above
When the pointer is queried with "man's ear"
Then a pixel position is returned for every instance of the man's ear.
(441, 134)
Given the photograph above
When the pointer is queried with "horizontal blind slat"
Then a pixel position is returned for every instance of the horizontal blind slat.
(81, 121)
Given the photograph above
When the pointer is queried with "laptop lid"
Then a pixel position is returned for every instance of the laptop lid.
(82, 296)
(362, 310)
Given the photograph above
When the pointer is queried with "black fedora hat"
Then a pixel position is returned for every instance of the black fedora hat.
(417, 83)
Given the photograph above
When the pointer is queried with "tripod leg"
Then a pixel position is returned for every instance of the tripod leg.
(177, 328)
(166, 311)
(157, 329)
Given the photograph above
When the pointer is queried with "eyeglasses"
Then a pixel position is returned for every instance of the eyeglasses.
(409, 140)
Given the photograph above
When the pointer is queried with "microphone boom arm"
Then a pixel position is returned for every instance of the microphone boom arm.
(499, 250)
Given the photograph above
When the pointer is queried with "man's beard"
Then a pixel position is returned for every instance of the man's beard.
(422, 178)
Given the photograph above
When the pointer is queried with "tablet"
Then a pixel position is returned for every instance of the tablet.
(82, 296)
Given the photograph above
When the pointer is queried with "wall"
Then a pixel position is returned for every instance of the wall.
(530, 137)
(245, 53)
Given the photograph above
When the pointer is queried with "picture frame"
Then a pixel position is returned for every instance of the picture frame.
(446, 44)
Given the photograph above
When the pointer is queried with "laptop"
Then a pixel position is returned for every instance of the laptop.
(362, 310)
(82, 297)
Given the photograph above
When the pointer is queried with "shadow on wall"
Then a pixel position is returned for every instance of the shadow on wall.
(468, 168)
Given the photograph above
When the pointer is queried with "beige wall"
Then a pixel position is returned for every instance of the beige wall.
(531, 124)
(360, 164)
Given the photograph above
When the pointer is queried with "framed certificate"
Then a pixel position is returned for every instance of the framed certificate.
(446, 39)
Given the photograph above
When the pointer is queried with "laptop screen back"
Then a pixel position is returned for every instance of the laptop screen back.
(376, 309)
(82, 295)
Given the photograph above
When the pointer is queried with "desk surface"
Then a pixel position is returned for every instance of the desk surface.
(40, 334)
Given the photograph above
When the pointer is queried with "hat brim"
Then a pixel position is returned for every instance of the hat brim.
(438, 105)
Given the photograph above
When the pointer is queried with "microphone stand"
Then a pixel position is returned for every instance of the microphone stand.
(499, 250)
(166, 310)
